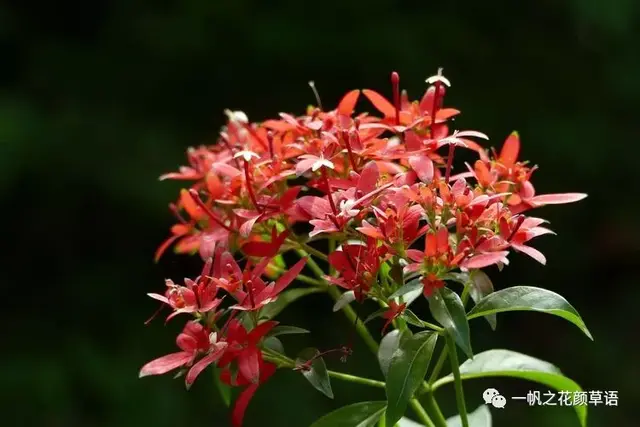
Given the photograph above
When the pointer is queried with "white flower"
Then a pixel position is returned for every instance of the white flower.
(346, 208)
(439, 78)
(237, 116)
(322, 162)
(246, 155)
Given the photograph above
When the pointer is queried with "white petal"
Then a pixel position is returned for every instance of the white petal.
(438, 78)
(246, 155)
(237, 116)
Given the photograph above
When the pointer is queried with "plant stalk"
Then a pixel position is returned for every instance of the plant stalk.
(455, 368)
(435, 411)
(365, 335)
(421, 413)
(286, 362)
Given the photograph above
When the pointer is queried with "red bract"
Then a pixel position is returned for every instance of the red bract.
(505, 174)
(247, 287)
(243, 350)
(252, 370)
(197, 296)
(394, 311)
(358, 265)
(194, 341)
(259, 248)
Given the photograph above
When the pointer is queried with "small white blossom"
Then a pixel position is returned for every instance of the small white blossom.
(439, 78)
(237, 116)
(322, 162)
(246, 155)
(347, 210)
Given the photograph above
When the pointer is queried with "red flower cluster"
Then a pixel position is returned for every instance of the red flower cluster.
(380, 186)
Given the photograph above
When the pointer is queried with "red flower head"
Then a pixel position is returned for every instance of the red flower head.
(194, 341)
(394, 311)
(358, 265)
(373, 186)
(252, 370)
(196, 296)
(247, 287)
(505, 174)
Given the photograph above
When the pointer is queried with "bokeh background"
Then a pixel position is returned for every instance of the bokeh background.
(99, 98)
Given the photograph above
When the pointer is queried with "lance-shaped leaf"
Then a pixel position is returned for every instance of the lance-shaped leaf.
(223, 389)
(481, 417)
(316, 371)
(378, 313)
(411, 318)
(412, 286)
(388, 346)
(407, 369)
(345, 299)
(273, 343)
(507, 363)
(481, 286)
(446, 307)
(363, 414)
(528, 298)
(274, 308)
(287, 330)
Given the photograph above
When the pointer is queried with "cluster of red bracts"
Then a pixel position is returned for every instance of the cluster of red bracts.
(379, 186)
(230, 346)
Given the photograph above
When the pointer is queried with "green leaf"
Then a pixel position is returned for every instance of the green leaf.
(481, 417)
(273, 343)
(446, 307)
(388, 346)
(462, 278)
(409, 287)
(345, 299)
(528, 298)
(507, 363)
(481, 286)
(223, 389)
(407, 369)
(274, 308)
(287, 330)
(378, 313)
(363, 414)
(413, 319)
(316, 372)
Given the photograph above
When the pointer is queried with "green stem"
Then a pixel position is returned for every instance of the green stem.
(311, 263)
(332, 249)
(363, 332)
(438, 367)
(435, 411)
(421, 413)
(465, 294)
(355, 379)
(309, 249)
(432, 326)
(302, 277)
(347, 309)
(285, 362)
(453, 357)
(353, 318)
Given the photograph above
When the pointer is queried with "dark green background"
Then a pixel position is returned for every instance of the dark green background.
(99, 98)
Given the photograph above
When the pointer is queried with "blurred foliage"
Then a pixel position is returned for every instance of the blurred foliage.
(99, 98)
